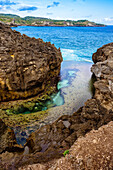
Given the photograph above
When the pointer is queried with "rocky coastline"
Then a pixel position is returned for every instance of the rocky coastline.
(48, 143)
(15, 20)
(50, 25)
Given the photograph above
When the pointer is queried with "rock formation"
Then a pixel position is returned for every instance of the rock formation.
(50, 141)
(94, 151)
(103, 70)
(28, 66)
(7, 139)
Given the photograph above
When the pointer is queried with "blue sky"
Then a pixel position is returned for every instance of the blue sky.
(100, 11)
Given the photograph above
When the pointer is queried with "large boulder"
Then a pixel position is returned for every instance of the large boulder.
(28, 66)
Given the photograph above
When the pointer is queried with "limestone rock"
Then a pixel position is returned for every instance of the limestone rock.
(27, 65)
(103, 70)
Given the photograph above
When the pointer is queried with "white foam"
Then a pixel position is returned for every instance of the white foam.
(69, 54)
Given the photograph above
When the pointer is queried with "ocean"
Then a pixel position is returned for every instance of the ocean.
(76, 43)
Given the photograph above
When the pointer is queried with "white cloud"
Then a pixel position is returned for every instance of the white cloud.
(108, 19)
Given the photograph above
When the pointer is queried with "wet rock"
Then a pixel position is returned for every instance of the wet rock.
(49, 136)
(7, 139)
(28, 66)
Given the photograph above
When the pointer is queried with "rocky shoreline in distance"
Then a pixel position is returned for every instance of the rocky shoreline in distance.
(49, 142)
(15, 20)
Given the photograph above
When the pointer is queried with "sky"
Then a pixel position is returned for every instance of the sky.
(100, 11)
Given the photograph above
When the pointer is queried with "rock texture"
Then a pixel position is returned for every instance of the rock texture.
(28, 66)
(103, 70)
(94, 151)
(7, 139)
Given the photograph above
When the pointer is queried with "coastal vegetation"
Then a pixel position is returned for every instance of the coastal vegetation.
(15, 20)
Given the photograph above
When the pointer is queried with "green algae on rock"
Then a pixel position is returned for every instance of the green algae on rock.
(21, 112)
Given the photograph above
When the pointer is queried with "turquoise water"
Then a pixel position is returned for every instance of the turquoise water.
(76, 43)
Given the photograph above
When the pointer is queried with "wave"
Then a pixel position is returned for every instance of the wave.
(76, 55)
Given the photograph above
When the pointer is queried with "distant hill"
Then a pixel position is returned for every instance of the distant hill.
(15, 20)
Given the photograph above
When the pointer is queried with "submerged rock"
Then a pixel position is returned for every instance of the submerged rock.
(28, 66)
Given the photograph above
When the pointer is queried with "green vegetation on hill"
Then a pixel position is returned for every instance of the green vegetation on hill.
(11, 19)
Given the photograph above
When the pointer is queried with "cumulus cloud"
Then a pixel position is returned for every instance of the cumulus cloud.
(7, 2)
(53, 5)
(28, 8)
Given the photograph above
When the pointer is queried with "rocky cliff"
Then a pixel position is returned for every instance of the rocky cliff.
(103, 70)
(28, 66)
(49, 142)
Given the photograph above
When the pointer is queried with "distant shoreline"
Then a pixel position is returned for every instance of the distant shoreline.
(58, 25)
(15, 20)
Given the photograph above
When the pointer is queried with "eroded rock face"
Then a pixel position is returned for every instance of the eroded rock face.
(27, 65)
(103, 70)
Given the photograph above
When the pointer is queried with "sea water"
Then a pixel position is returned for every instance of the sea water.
(76, 43)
